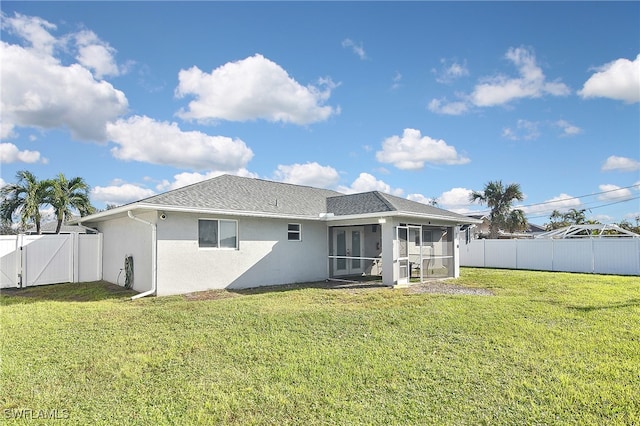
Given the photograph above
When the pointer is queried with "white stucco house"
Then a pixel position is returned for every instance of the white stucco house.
(233, 232)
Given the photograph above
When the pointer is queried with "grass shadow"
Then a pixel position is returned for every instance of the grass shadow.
(627, 304)
(67, 292)
(325, 285)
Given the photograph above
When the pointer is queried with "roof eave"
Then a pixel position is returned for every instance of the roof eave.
(118, 211)
(449, 219)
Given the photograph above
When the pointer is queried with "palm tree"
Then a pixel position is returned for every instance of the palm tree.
(499, 199)
(517, 221)
(24, 198)
(65, 195)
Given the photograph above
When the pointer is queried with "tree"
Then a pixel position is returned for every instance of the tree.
(25, 197)
(559, 220)
(576, 217)
(65, 195)
(516, 221)
(499, 199)
(626, 224)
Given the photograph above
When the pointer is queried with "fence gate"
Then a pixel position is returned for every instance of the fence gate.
(30, 260)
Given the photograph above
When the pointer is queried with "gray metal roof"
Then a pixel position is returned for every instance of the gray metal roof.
(235, 193)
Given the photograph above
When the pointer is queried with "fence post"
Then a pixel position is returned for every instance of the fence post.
(484, 252)
(593, 257)
(75, 253)
(22, 266)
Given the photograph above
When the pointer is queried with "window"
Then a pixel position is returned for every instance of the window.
(294, 232)
(218, 233)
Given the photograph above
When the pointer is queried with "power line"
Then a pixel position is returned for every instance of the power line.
(636, 185)
(595, 207)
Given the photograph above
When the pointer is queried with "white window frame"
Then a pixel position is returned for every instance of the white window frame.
(217, 247)
(294, 232)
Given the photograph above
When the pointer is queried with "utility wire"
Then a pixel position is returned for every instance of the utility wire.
(593, 208)
(636, 185)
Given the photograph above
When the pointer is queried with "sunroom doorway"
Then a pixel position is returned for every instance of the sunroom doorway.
(355, 252)
(348, 243)
(424, 252)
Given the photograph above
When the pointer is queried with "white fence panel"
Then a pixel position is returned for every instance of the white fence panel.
(619, 256)
(89, 250)
(500, 253)
(536, 255)
(47, 259)
(472, 254)
(573, 255)
(9, 261)
(29, 260)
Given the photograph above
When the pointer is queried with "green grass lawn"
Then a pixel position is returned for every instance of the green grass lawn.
(546, 348)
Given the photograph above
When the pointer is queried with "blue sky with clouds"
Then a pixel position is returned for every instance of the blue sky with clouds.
(419, 99)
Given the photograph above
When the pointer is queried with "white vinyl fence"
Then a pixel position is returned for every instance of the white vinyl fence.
(619, 256)
(29, 260)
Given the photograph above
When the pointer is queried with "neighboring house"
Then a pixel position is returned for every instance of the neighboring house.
(484, 229)
(235, 232)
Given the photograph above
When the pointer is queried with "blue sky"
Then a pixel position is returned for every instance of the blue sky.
(419, 99)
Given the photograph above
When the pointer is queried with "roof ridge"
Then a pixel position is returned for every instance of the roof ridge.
(227, 175)
(382, 196)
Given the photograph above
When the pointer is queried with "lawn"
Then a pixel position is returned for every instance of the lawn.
(545, 348)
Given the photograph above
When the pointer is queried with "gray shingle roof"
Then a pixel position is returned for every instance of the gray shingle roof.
(235, 193)
(378, 202)
(228, 193)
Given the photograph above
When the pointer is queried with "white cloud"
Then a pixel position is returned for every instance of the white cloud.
(411, 150)
(501, 89)
(602, 218)
(443, 106)
(396, 80)
(366, 183)
(531, 83)
(562, 203)
(141, 138)
(629, 216)
(455, 200)
(455, 197)
(34, 30)
(309, 174)
(622, 164)
(613, 193)
(37, 91)
(253, 88)
(420, 198)
(9, 153)
(358, 49)
(450, 71)
(120, 193)
(184, 179)
(525, 129)
(96, 54)
(619, 80)
(568, 129)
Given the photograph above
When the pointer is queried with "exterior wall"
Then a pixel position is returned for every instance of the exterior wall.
(264, 255)
(123, 237)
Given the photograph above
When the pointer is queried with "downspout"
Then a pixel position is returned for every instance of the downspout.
(154, 260)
